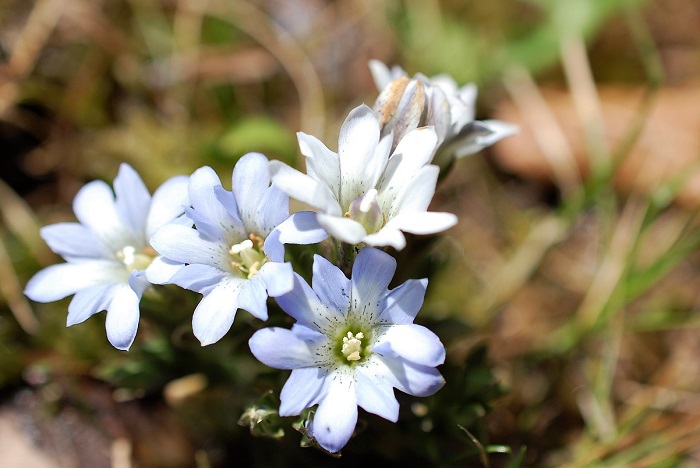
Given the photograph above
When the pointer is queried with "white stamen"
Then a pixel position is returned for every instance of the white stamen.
(369, 198)
(238, 248)
(352, 345)
(128, 254)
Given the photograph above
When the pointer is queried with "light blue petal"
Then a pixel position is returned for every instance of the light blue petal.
(371, 274)
(331, 285)
(402, 303)
(95, 208)
(301, 228)
(253, 297)
(168, 203)
(322, 164)
(272, 210)
(302, 390)
(406, 376)
(89, 301)
(376, 395)
(214, 315)
(58, 281)
(234, 225)
(410, 342)
(122, 317)
(205, 228)
(336, 416)
(203, 196)
(197, 277)
(250, 180)
(282, 349)
(138, 282)
(132, 199)
(162, 269)
(278, 278)
(74, 241)
(185, 245)
(303, 304)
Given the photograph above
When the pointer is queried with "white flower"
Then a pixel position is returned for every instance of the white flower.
(235, 256)
(404, 104)
(365, 193)
(353, 343)
(109, 262)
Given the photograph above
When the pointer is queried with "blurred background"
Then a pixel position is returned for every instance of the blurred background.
(567, 296)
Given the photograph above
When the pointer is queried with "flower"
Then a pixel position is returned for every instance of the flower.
(109, 262)
(362, 193)
(404, 104)
(235, 255)
(353, 342)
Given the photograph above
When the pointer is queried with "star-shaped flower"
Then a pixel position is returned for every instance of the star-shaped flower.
(109, 262)
(235, 256)
(365, 193)
(353, 343)
(406, 103)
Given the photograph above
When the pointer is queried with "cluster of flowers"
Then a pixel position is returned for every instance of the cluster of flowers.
(354, 340)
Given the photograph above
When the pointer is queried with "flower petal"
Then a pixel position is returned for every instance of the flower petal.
(389, 235)
(214, 315)
(95, 208)
(74, 241)
(481, 134)
(322, 164)
(412, 153)
(122, 317)
(58, 281)
(408, 377)
(162, 269)
(168, 203)
(402, 303)
(253, 297)
(185, 245)
(132, 198)
(359, 136)
(250, 180)
(371, 274)
(331, 285)
(410, 342)
(428, 222)
(197, 277)
(278, 278)
(203, 197)
(304, 188)
(303, 304)
(336, 416)
(376, 395)
(302, 390)
(272, 210)
(299, 228)
(344, 229)
(89, 301)
(417, 193)
(283, 349)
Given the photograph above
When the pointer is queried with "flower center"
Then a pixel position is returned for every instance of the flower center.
(134, 259)
(248, 256)
(366, 211)
(352, 346)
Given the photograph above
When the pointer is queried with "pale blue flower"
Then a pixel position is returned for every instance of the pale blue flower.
(109, 262)
(235, 256)
(404, 104)
(353, 343)
(366, 193)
